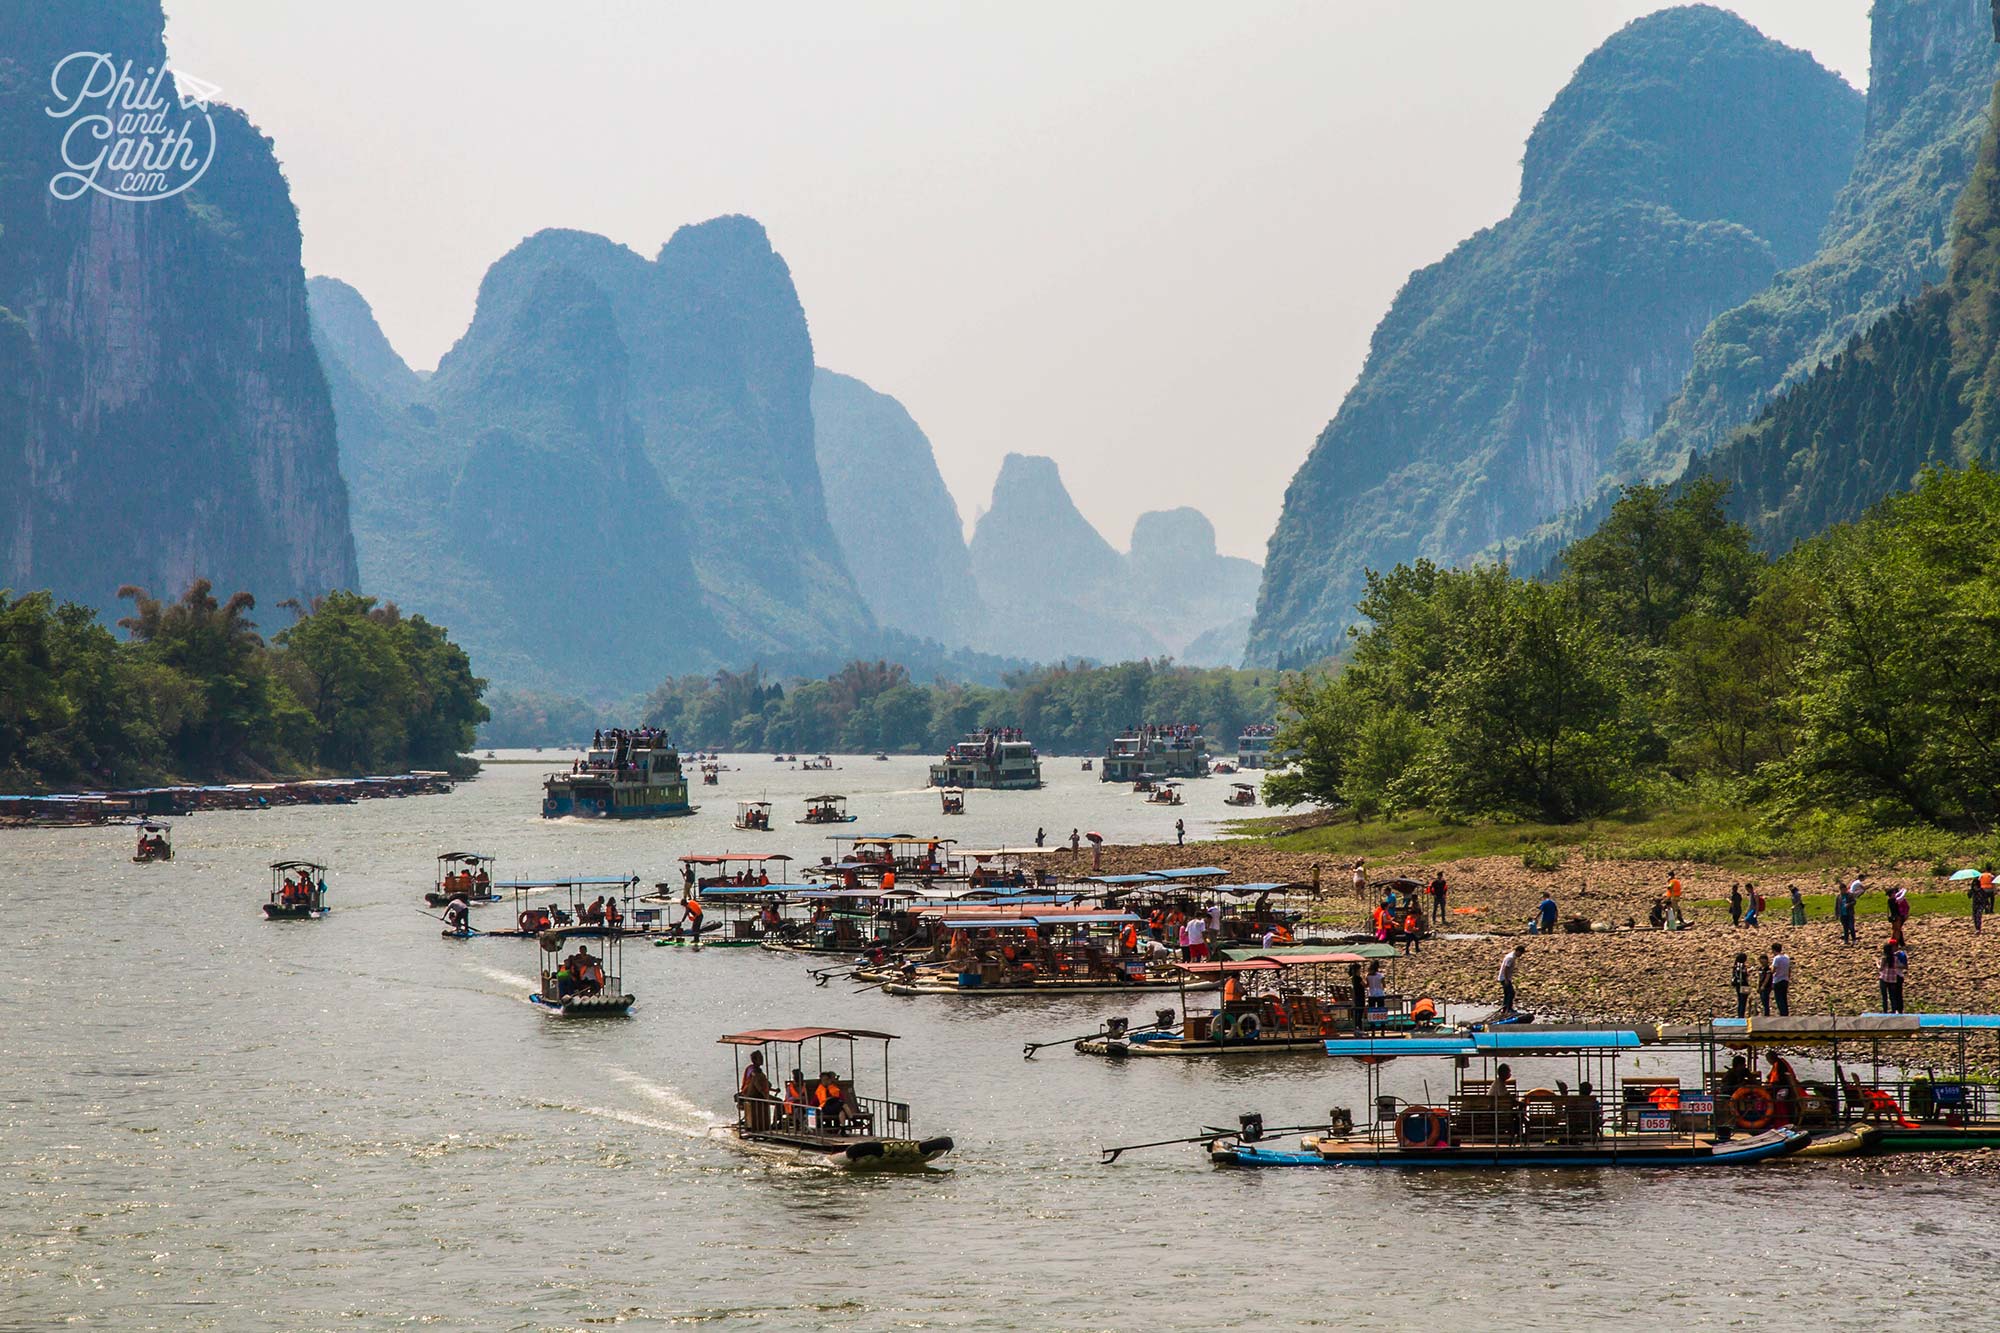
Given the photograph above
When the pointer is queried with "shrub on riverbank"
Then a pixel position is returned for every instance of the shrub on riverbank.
(195, 693)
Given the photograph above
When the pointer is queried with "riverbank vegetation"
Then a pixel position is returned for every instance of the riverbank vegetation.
(195, 693)
(1674, 692)
(875, 706)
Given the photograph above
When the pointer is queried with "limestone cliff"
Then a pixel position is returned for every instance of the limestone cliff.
(167, 416)
(896, 521)
(1687, 161)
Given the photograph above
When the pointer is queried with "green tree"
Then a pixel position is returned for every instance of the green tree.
(1529, 714)
(1659, 556)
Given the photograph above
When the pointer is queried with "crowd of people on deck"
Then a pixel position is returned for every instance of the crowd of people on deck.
(152, 845)
(622, 742)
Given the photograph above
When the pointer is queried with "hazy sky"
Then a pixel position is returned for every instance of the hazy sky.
(1149, 239)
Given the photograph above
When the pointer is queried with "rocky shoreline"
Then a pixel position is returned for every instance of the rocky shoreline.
(1616, 973)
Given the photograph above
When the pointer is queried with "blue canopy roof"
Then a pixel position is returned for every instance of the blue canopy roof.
(1549, 1042)
(1191, 872)
(1122, 879)
(566, 881)
(1555, 1041)
(1399, 1046)
(1985, 1022)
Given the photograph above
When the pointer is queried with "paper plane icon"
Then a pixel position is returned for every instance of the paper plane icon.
(193, 91)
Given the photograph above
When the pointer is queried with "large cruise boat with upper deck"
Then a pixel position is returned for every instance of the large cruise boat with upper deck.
(1155, 751)
(625, 774)
(999, 760)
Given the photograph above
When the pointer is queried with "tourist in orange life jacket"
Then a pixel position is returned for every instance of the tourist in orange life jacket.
(691, 917)
(1232, 990)
(1128, 939)
(798, 1096)
(1784, 1087)
(826, 1096)
(1412, 933)
(612, 916)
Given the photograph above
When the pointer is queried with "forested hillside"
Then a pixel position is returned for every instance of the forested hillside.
(1687, 162)
(1920, 388)
(1931, 72)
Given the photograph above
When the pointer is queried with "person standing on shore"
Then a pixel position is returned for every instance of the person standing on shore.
(1075, 842)
(1756, 904)
(1508, 962)
(1899, 911)
(1360, 877)
(1041, 837)
(1739, 981)
(1843, 911)
(1764, 980)
(1781, 980)
(1438, 891)
(1180, 833)
(1736, 909)
(1894, 962)
(1547, 914)
(1798, 906)
(1982, 899)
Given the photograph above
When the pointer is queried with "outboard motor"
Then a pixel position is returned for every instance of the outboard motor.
(1163, 1018)
(1340, 1122)
(1115, 1027)
(1250, 1126)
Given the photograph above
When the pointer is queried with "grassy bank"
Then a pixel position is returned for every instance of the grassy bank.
(1698, 834)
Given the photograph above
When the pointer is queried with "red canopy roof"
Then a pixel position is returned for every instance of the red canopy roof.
(758, 1036)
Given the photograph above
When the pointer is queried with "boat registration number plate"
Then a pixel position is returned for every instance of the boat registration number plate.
(1697, 1104)
(1655, 1122)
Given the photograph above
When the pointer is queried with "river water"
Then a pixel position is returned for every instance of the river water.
(214, 1122)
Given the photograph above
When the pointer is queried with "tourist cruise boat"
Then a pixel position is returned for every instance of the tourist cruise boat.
(627, 775)
(991, 760)
(1253, 747)
(1169, 752)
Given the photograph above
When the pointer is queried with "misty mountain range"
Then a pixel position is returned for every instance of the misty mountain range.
(1723, 259)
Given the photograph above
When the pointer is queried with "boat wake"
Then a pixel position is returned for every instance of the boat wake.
(513, 981)
(694, 1119)
(623, 1117)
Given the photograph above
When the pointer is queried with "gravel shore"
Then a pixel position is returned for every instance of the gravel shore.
(1621, 974)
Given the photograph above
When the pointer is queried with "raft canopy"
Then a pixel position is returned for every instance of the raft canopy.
(1019, 922)
(724, 858)
(297, 865)
(1829, 1027)
(987, 853)
(1551, 1042)
(473, 857)
(792, 1036)
(570, 882)
(1266, 962)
